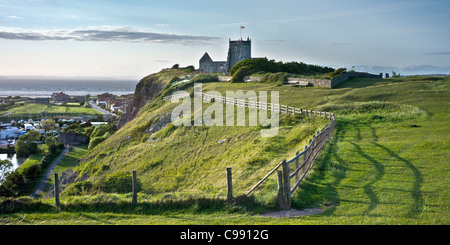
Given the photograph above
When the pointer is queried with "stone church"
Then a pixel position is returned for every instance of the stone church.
(238, 50)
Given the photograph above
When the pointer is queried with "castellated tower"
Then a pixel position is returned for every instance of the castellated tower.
(238, 50)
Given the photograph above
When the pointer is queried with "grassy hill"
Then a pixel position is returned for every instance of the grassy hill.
(194, 159)
(386, 164)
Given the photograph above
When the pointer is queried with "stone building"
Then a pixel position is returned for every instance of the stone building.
(238, 50)
(210, 66)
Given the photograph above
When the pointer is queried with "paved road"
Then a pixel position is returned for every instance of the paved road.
(101, 110)
(47, 174)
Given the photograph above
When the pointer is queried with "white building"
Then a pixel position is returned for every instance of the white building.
(29, 126)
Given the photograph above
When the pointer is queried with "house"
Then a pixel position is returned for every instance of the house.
(42, 100)
(118, 105)
(105, 98)
(60, 97)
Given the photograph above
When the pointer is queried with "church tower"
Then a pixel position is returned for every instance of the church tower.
(238, 50)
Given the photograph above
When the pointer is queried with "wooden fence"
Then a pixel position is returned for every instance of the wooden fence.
(292, 175)
(293, 170)
(253, 104)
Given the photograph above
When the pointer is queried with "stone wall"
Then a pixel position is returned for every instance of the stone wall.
(327, 83)
(307, 81)
(72, 139)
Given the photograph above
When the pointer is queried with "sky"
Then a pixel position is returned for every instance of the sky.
(134, 38)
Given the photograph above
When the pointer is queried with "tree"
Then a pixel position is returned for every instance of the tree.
(5, 168)
(394, 74)
(26, 145)
(48, 125)
(53, 145)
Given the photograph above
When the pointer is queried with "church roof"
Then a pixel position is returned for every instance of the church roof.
(206, 57)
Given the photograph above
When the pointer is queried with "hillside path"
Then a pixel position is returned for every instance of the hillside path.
(47, 174)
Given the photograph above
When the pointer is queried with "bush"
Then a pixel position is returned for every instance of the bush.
(264, 65)
(100, 130)
(32, 172)
(205, 78)
(118, 183)
(238, 76)
(337, 73)
(95, 141)
(78, 188)
(277, 78)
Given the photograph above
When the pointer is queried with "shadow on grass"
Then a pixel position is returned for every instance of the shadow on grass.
(359, 83)
(368, 188)
(316, 189)
(416, 192)
(194, 205)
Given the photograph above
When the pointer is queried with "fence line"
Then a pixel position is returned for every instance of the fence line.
(252, 104)
(309, 154)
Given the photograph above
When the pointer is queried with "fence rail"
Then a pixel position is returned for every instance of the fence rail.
(303, 160)
(253, 104)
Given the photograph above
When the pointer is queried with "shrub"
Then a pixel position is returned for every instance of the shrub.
(78, 188)
(100, 130)
(242, 72)
(337, 73)
(205, 78)
(118, 183)
(276, 78)
(32, 172)
(258, 161)
(94, 142)
(265, 65)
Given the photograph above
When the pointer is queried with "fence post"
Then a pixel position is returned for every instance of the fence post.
(281, 198)
(286, 184)
(57, 190)
(229, 185)
(297, 165)
(134, 189)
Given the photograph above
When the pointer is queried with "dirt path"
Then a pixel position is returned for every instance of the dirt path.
(47, 174)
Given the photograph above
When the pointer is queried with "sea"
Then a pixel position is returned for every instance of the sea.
(44, 87)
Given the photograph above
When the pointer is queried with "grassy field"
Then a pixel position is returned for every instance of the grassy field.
(387, 163)
(35, 111)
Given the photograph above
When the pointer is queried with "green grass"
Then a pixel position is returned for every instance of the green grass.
(34, 111)
(35, 158)
(387, 163)
(69, 161)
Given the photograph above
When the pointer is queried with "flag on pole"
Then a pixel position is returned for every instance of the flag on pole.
(242, 27)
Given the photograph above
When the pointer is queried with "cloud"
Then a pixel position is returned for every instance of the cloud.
(104, 34)
(439, 53)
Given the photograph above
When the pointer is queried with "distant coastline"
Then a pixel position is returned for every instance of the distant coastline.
(44, 87)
